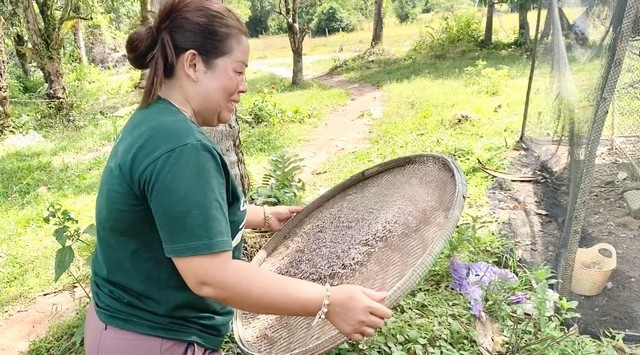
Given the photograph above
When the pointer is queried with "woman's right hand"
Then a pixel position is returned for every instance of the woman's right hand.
(356, 311)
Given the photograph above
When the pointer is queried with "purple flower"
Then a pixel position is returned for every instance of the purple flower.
(519, 298)
(470, 279)
(484, 274)
(475, 299)
(459, 273)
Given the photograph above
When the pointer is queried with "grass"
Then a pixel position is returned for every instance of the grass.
(423, 101)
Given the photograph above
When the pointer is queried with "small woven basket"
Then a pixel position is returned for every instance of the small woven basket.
(405, 210)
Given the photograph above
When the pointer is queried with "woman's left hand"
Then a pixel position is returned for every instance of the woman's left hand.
(279, 215)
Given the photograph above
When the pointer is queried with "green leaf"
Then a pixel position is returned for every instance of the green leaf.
(64, 258)
(90, 230)
(61, 235)
(78, 335)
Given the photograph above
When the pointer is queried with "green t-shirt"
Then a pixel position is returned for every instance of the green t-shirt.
(166, 191)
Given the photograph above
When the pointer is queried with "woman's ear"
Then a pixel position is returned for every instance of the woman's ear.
(191, 64)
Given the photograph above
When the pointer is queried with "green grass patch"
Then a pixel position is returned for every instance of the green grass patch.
(430, 107)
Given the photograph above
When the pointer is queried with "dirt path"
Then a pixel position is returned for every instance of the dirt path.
(30, 321)
(345, 131)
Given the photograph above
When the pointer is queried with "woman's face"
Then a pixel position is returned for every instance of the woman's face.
(218, 90)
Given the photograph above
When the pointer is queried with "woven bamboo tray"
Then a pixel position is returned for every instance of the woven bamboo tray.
(403, 211)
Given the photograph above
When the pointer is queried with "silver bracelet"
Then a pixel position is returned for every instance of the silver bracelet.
(325, 304)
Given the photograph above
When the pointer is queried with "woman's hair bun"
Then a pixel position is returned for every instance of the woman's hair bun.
(140, 45)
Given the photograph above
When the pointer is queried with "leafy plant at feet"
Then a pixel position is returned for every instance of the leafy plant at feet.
(67, 234)
(280, 184)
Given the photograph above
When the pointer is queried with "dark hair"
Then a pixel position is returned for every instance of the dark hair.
(206, 26)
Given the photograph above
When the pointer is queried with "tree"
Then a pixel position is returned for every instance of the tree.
(488, 29)
(20, 45)
(258, 21)
(46, 28)
(146, 19)
(524, 31)
(14, 28)
(523, 6)
(296, 31)
(78, 33)
(378, 18)
(4, 91)
(227, 138)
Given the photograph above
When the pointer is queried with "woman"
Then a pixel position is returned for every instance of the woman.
(167, 271)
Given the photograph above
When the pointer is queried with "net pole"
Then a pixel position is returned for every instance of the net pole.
(525, 115)
(624, 16)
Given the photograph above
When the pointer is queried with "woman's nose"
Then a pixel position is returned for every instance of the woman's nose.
(244, 86)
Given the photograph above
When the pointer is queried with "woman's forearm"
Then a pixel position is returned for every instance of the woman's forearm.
(249, 288)
(255, 217)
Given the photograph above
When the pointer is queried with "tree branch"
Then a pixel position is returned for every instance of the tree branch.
(33, 29)
(279, 11)
(287, 10)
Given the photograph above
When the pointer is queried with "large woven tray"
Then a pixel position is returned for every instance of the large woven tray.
(382, 228)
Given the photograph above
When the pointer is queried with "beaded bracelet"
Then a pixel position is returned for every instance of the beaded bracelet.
(325, 304)
(267, 217)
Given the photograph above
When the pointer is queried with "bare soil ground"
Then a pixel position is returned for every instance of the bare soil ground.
(30, 321)
(535, 213)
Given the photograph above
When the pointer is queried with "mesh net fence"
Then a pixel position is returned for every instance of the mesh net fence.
(582, 122)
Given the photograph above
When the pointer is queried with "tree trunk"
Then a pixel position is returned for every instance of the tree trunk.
(4, 91)
(378, 19)
(46, 52)
(488, 29)
(565, 24)
(19, 44)
(524, 33)
(296, 34)
(227, 138)
(79, 36)
(295, 40)
(146, 19)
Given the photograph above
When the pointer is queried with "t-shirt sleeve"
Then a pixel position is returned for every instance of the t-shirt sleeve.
(186, 190)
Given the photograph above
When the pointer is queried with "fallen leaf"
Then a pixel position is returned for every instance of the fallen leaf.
(541, 212)
(621, 176)
(488, 335)
(41, 190)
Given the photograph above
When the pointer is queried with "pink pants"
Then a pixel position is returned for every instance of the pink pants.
(102, 339)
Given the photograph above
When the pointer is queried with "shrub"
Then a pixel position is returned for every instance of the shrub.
(333, 18)
(486, 80)
(264, 110)
(457, 34)
(405, 10)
